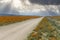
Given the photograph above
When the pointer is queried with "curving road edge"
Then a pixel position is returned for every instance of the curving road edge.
(19, 31)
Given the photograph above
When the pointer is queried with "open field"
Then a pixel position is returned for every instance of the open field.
(55, 17)
(12, 19)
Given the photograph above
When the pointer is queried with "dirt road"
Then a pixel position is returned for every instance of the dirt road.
(18, 31)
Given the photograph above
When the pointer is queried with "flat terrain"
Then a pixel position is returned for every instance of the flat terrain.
(12, 19)
(55, 17)
(18, 31)
(4, 20)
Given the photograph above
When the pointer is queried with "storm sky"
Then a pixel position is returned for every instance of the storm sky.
(46, 2)
(30, 7)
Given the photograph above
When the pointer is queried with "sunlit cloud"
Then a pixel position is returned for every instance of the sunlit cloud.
(25, 7)
(16, 3)
(4, 1)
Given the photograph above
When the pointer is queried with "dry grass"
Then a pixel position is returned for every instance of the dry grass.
(55, 17)
(12, 19)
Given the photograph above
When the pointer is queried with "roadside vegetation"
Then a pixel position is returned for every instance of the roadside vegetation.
(48, 29)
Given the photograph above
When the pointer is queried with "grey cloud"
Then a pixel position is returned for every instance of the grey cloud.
(6, 10)
(46, 2)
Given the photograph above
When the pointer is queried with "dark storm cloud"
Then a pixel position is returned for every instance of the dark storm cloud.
(46, 2)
